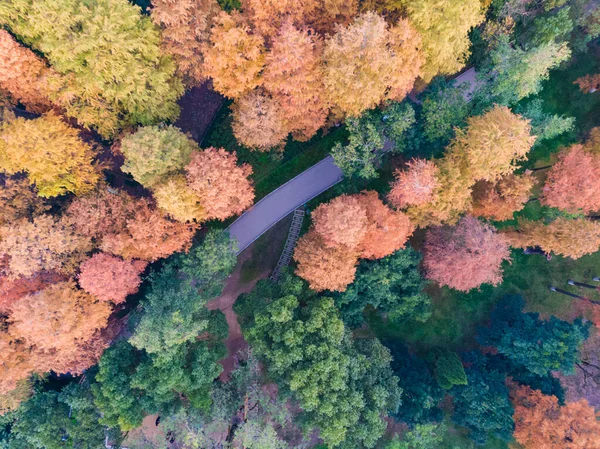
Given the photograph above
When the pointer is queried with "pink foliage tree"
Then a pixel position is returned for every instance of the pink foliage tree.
(466, 255)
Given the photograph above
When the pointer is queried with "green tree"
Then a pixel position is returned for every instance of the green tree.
(483, 404)
(114, 73)
(423, 436)
(343, 388)
(444, 108)
(552, 27)
(393, 286)
(371, 134)
(421, 394)
(53, 420)
(538, 345)
(154, 152)
(544, 126)
(120, 403)
(448, 369)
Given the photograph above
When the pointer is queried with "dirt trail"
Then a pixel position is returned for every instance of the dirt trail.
(233, 288)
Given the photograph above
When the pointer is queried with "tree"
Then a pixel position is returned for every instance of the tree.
(324, 267)
(44, 244)
(23, 74)
(545, 126)
(18, 199)
(113, 76)
(415, 186)
(541, 422)
(538, 345)
(393, 286)
(341, 222)
(269, 16)
(185, 28)
(492, 143)
(58, 318)
(572, 238)
(518, 73)
(573, 182)
(110, 278)
(444, 29)
(451, 198)
(449, 370)
(387, 230)
(588, 83)
(53, 420)
(222, 185)
(52, 154)
(368, 61)
(423, 436)
(175, 198)
(153, 153)
(294, 77)
(13, 399)
(500, 200)
(120, 403)
(465, 256)
(148, 235)
(233, 57)
(336, 381)
(422, 394)
(483, 405)
(258, 121)
(445, 107)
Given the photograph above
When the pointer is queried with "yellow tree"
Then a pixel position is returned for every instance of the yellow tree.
(222, 186)
(499, 201)
(569, 238)
(294, 77)
(23, 74)
(444, 26)
(52, 154)
(258, 121)
(368, 62)
(185, 28)
(492, 143)
(233, 57)
(43, 244)
(176, 199)
(322, 266)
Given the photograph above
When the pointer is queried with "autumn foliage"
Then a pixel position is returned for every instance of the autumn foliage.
(52, 154)
(222, 186)
(500, 200)
(23, 74)
(346, 228)
(540, 422)
(414, 186)
(110, 278)
(570, 238)
(185, 28)
(588, 83)
(369, 61)
(18, 199)
(573, 183)
(493, 142)
(465, 256)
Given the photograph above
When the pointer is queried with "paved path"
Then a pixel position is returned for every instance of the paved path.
(282, 201)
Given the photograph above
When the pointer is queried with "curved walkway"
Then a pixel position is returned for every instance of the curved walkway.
(282, 201)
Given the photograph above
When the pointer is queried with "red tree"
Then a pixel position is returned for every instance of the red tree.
(466, 255)
(387, 230)
(110, 278)
(573, 183)
(541, 423)
(342, 221)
